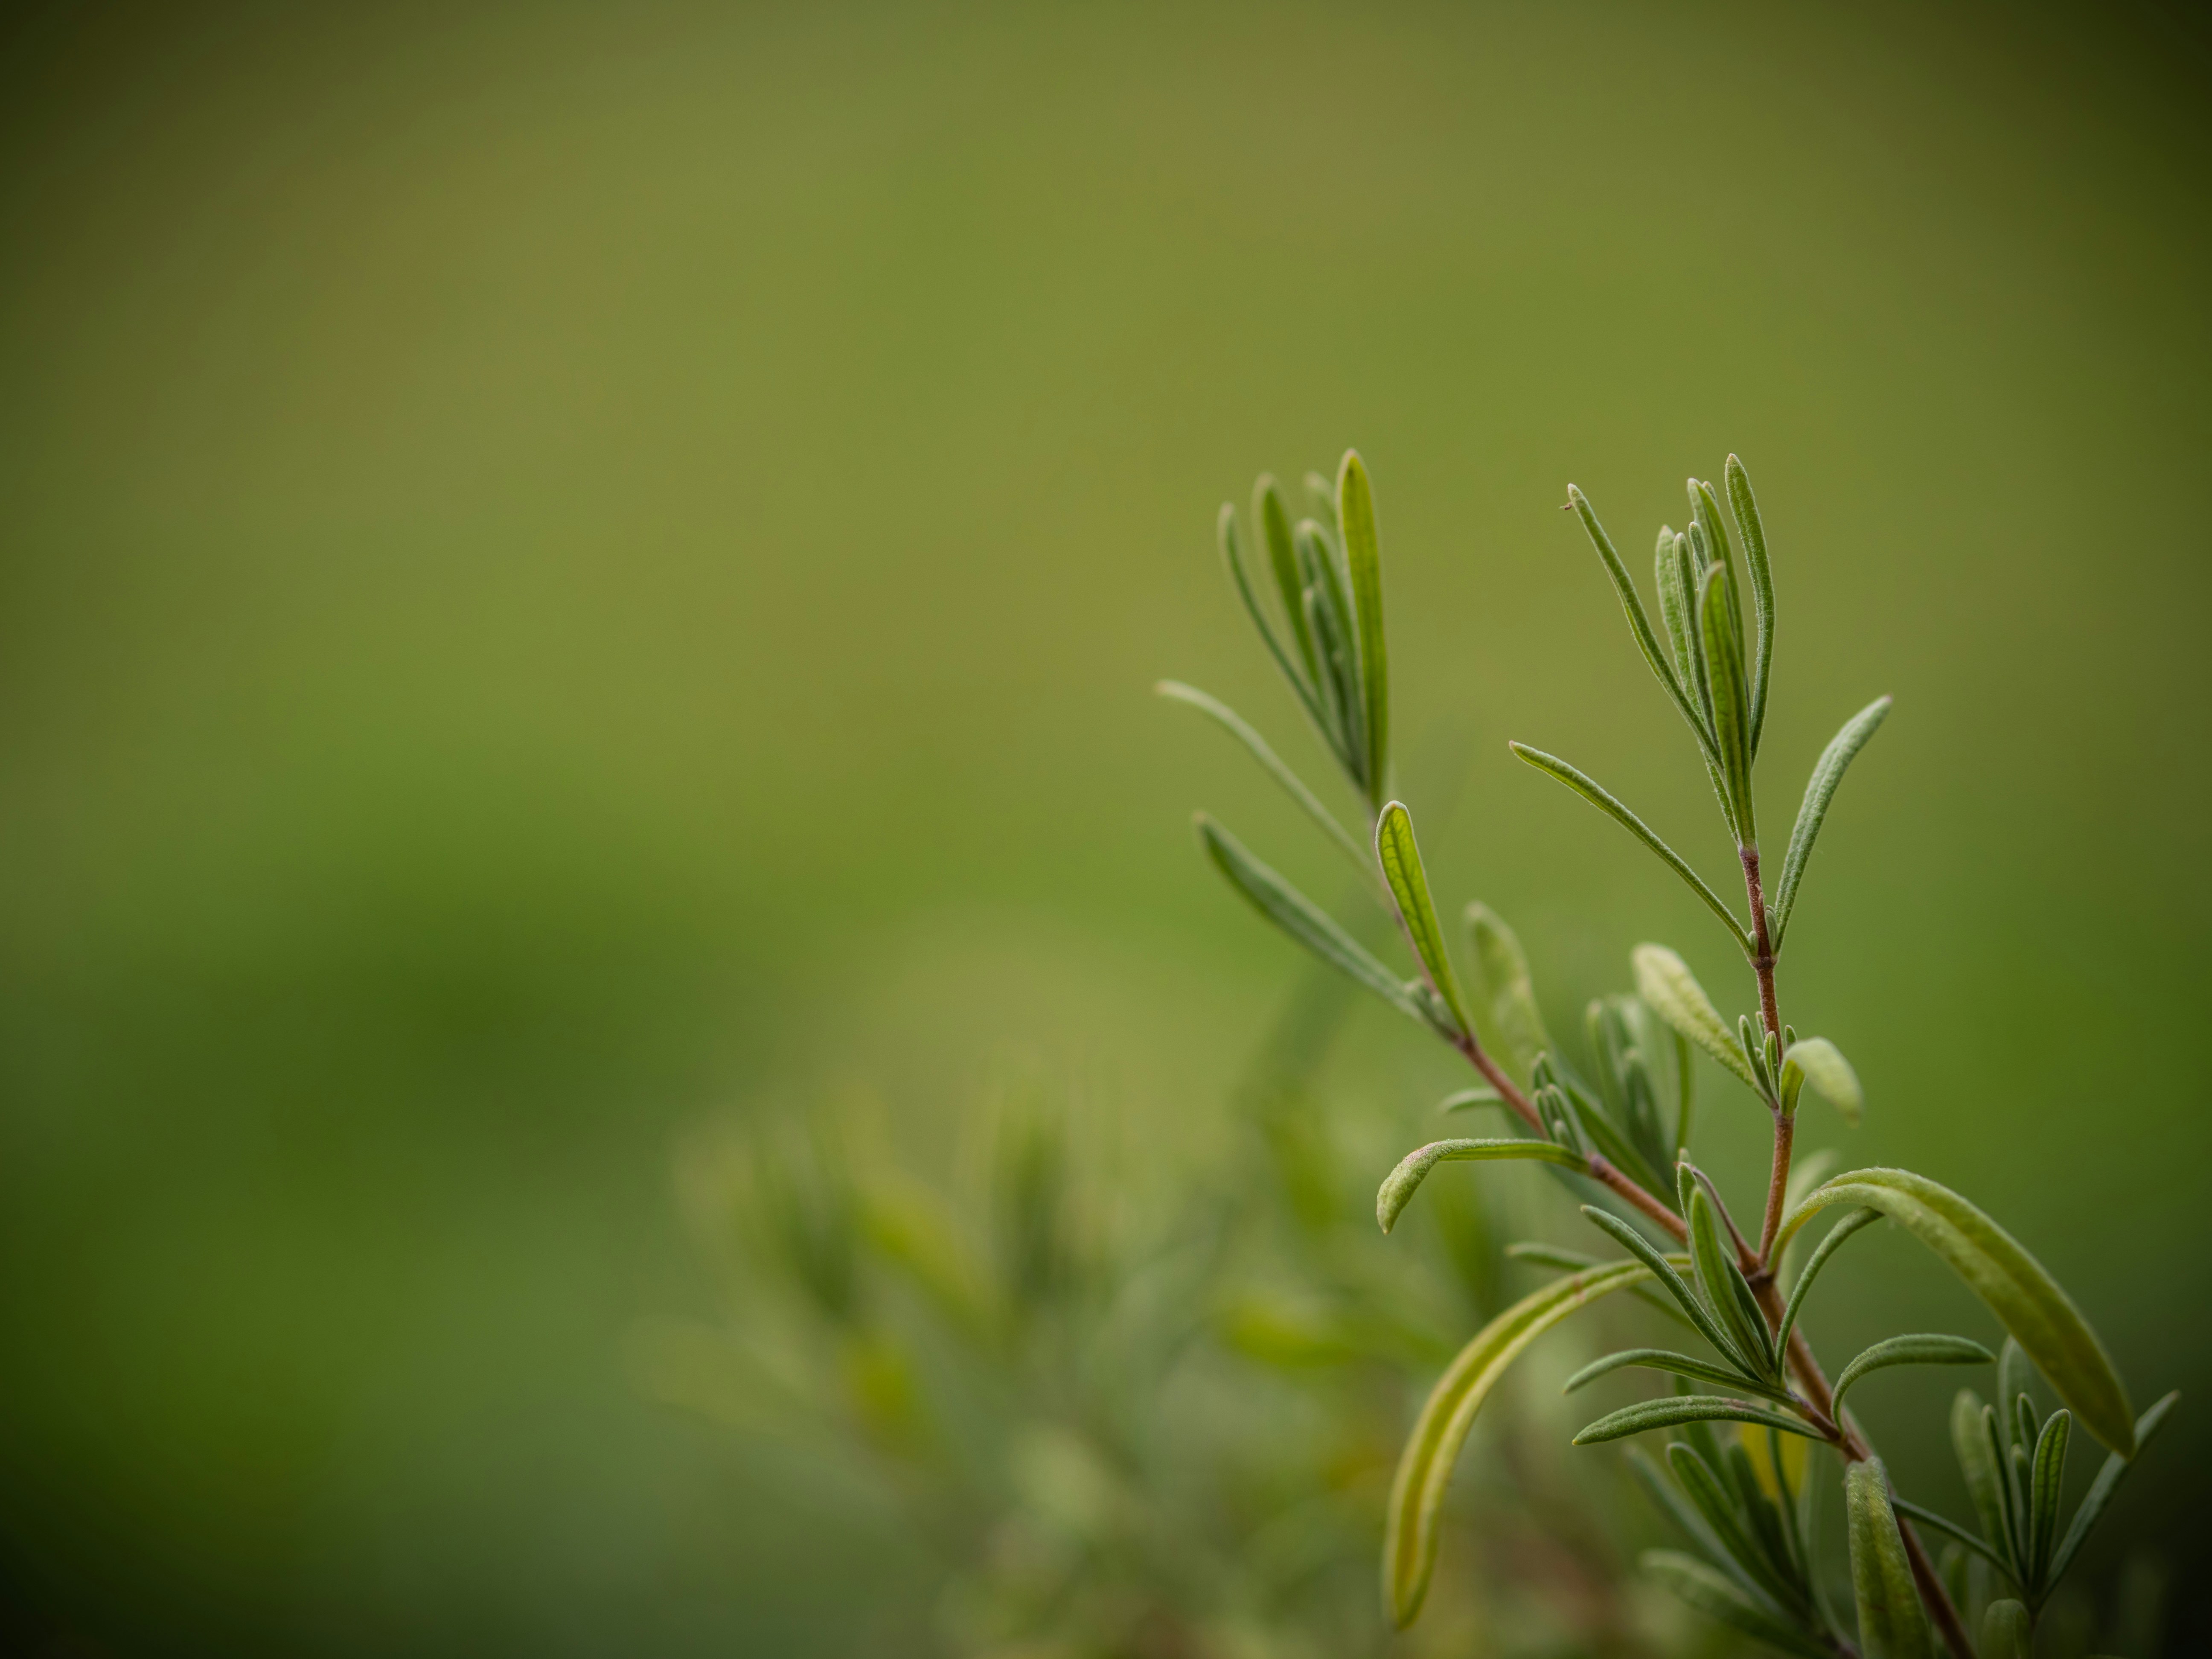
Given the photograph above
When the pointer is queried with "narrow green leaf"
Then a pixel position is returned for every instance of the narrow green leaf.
(1597, 796)
(1680, 1364)
(1401, 1183)
(1837, 1234)
(1717, 1277)
(1753, 534)
(1606, 1138)
(1664, 981)
(1417, 1492)
(1234, 724)
(1820, 791)
(1919, 1350)
(1232, 555)
(1686, 1086)
(1355, 506)
(2045, 1487)
(1995, 1265)
(2013, 1393)
(1893, 1625)
(1273, 519)
(2007, 1633)
(1510, 989)
(1977, 1462)
(1399, 855)
(1707, 1591)
(1706, 518)
(2101, 1490)
(1725, 1517)
(1669, 1280)
(1547, 1255)
(1818, 1061)
(1296, 915)
(1675, 614)
(1677, 1409)
(1639, 619)
(1462, 1100)
(1731, 700)
(1665, 1492)
(1945, 1524)
(1321, 490)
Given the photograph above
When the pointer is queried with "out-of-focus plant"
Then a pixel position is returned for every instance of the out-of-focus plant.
(1618, 1124)
(1128, 1406)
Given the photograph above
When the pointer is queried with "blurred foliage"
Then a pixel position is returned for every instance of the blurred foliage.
(567, 565)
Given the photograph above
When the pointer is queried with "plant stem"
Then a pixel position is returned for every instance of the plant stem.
(1777, 1187)
(1770, 1014)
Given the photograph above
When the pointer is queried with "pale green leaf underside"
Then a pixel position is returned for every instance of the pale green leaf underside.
(1893, 1625)
(1997, 1267)
(1818, 1061)
(1674, 1410)
(1401, 1183)
(1665, 982)
(1915, 1350)
(1424, 1467)
(1820, 791)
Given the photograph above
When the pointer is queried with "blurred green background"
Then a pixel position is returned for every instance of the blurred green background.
(571, 568)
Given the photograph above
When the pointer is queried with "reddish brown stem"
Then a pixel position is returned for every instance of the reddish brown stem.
(1777, 1186)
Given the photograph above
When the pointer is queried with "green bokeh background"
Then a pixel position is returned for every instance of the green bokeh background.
(567, 569)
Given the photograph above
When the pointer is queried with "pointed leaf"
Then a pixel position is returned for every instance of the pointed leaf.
(1970, 1439)
(1355, 506)
(1818, 1061)
(1399, 856)
(1401, 1183)
(1665, 982)
(1820, 790)
(1680, 1364)
(1675, 1410)
(1462, 1100)
(1718, 1278)
(1296, 915)
(1232, 555)
(1229, 721)
(1731, 699)
(2101, 1490)
(1995, 1265)
(1662, 1269)
(1273, 519)
(1597, 796)
(1945, 1524)
(1706, 1590)
(1753, 534)
(2045, 1487)
(1417, 1492)
(1724, 1515)
(1893, 1625)
(1639, 620)
(1508, 984)
(1837, 1234)
(1930, 1350)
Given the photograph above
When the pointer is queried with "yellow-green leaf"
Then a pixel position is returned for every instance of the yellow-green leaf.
(1998, 1268)
(1399, 856)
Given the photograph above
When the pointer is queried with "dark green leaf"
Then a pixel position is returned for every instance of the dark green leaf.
(1703, 1589)
(1820, 790)
(1893, 1625)
(1417, 1492)
(1665, 982)
(1668, 1496)
(1978, 1462)
(1669, 1280)
(1296, 915)
(1677, 1409)
(2024, 1298)
(1596, 795)
(1639, 620)
(1232, 722)
(1725, 1517)
(1273, 519)
(1943, 1523)
(1355, 506)
(1919, 1350)
(1509, 986)
(1837, 1234)
(1697, 1370)
(1399, 856)
(2046, 1486)
(1753, 536)
(1718, 1278)
(1401, 1183)
(2101, 1490)
(1731, 699)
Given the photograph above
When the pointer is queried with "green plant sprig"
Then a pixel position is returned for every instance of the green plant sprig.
(1325, 636)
